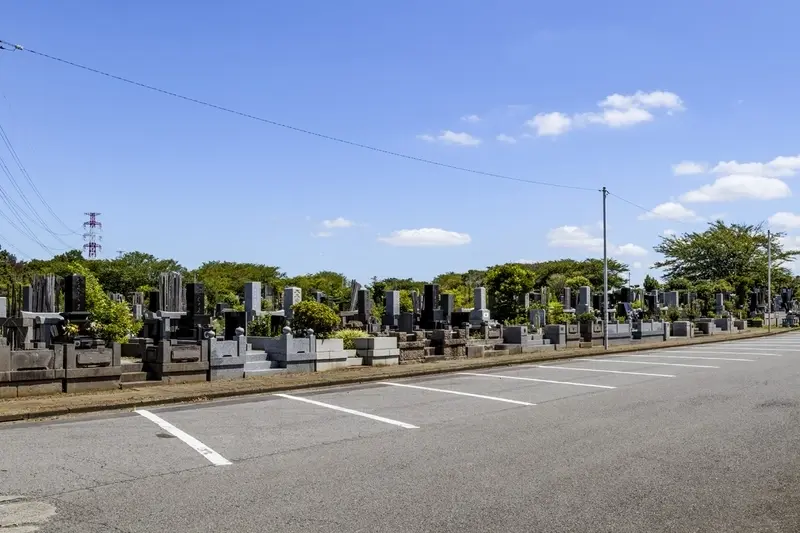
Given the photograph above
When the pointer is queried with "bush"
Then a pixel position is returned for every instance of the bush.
(314, 315)
(349, 336)
(756, 322)
(584, 318)
(673, 314)
(555, 313)
(261, 326)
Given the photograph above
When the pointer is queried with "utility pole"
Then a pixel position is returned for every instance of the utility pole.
(769, 279)
(605, 273)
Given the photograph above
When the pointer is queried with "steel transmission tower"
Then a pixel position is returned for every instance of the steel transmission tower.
(92, 227)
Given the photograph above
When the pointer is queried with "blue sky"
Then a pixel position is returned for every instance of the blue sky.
(585, 94)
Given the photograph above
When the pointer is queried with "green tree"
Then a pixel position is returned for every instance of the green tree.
(677, 284)
(309, 314)
(506, 283)
(651, 284)
(576, 282)
(724, 252)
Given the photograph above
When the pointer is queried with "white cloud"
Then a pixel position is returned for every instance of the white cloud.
(576, 237)
(630, 249)
(503, 138)
(322, 234)
(737, 187)
(643, 100)
(670, 211)
(338, 223)
(550, 124)
(426, 237)
(667, 232)
(616, 111)
(617, 118)
(451, 137)
(573, 237)
(471, 118)
(790, 242)
(637, 264)
(780, 167)
(784, 220)
(688, 168)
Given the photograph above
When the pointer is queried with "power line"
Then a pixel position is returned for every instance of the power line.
(650, 211)
(27, 176)
(295, 128)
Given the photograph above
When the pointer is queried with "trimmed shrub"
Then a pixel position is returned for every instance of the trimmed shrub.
(314, 315)
(349, 336)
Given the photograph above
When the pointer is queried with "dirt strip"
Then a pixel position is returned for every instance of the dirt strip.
(35, 407)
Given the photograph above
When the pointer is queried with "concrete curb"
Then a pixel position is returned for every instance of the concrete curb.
(334, 378)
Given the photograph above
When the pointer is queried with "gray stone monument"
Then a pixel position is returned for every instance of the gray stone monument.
(720, 303)
(480, 298)
(291, 296)
(27, 298)
(481, 313)
(391, 316)
(584, 300)
(671, 298)
(252, 299)
(3, 307)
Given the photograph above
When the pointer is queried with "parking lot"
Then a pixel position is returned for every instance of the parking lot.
(549, 446)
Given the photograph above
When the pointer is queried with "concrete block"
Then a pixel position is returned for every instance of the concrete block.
(330, 345)
(476, 351)
(381, 361)
(217, 373)
(38, 388)
(376, 343)
(386, 352)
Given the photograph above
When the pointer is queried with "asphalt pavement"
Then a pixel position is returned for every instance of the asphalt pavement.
(687, 439)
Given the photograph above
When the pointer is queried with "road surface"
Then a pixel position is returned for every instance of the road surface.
(701, 438)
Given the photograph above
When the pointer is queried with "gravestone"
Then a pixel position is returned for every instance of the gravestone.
(566, 298)
(220, 308)
(544, 296)
(719, 303)
(448, 305)
(364, 306)
(27, 298)
(137, 298)
(391, 316)
(269, 297)
(319, 296)
(430, 307)
(233, 321)
(406, 322)
(584, 300)
(3, 307)
(252, 299)
(43, 294)
(137, 310)
(415, 303)
(479, 296)
(74, 294)
(291, 296)
(671, 298)
(170, 284)
(195, 299)
(625, 295)
(524, 300)
(154, 306)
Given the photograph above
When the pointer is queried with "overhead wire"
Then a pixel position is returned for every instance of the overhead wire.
(297, 129)
(26, 175)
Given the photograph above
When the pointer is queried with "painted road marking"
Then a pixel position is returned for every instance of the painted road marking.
(722, 352)
(349, 411)
(732, 352)
(692, 357)
(652, 363)
(757, 349)
(517, 402)
(538, 380)
(554, 367)
(215, 458)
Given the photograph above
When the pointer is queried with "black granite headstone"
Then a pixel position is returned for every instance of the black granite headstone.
(74, 294)
(448, 304)
(233, 320)
(154, 305)
(625, 295)
(195, 299)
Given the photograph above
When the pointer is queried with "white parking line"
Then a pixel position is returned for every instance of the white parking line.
(722, 352)
(757, 349)
(603, 370)
(215, 458)
(349, 411)
(692, 357)
(456, 392)
(538, 380)
(651, 363)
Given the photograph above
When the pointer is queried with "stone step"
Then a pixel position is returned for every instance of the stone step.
(138, 384)
(253, 366)
(132, 367)
(256, 356)
(127, 377)
(264, 372)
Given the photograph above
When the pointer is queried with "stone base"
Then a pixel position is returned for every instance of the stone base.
(381, 361)
(91, 383)
(180, 372)
(226, 372)
(30, 388)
